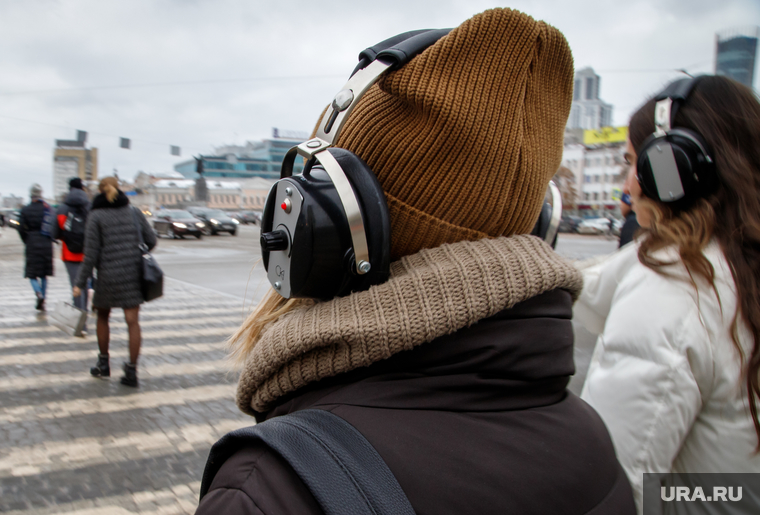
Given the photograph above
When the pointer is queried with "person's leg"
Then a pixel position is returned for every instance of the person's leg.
(37, 287)
(43, 286)
(102, 367)
(132, 317)
(72, 268)
(102, 330)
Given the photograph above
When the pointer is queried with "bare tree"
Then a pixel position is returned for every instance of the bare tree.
(565, 181)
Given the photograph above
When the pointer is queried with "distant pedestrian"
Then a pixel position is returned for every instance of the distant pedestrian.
(676, 370)
(630, 225)
(35, 224)
(69, 228)
(111, 247)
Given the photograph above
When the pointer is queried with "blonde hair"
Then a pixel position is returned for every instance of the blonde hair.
(109, 186)
(271, 307)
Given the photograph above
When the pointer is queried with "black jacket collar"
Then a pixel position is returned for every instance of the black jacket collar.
(100, 201)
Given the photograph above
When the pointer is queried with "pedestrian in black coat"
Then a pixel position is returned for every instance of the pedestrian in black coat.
(631, 225)
(112, 239)
(34, 228)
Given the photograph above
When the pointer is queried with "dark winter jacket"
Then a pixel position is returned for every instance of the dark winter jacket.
(111, 247)
(77, 202)
(630, 226)
(478, 421)
(39, 246)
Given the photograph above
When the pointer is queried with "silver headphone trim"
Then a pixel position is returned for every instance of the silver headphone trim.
(332, 122)
(551, 232)
(662, 112)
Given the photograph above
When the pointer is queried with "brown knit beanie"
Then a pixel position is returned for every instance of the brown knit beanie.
(465, 138)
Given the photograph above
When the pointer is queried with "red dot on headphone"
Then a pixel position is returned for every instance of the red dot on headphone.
(284, 206)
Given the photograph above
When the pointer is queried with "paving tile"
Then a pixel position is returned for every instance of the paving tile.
(72, 443)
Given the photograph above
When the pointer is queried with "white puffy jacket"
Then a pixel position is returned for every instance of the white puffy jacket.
(665, 375)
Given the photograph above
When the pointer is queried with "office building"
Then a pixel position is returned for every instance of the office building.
(72, 158)
(261, 159)
(588, 111)
(735, 52)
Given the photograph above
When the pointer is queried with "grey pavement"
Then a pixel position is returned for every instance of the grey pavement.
(73, 444)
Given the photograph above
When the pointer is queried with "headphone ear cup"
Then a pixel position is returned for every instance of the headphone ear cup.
(678, 180)
(644, 172)
(375, 214)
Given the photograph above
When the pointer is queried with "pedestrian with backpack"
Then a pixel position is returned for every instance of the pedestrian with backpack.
(69, 229)
(35, 225)
(411, 312)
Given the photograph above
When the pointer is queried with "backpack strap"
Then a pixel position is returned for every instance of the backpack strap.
(341, 469)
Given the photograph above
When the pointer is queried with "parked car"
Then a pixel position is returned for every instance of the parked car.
(250, 217)
(617, 225)
(569, 223)
(13, 219)
(176, 223)
(594, 226)
(215, 220)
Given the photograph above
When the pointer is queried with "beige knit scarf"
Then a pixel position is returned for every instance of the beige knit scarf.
(432, 293)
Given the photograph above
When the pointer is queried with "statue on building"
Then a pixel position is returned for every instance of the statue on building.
(201, 189)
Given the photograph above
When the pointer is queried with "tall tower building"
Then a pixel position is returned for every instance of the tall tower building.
(735, 51)
(72, 158)
(588, 111)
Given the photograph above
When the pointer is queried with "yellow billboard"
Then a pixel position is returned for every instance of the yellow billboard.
(605, 135)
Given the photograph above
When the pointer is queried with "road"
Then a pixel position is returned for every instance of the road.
(223, 263)
(232, 265)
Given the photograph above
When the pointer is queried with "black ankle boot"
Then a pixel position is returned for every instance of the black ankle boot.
(130, 375)
(101, 368)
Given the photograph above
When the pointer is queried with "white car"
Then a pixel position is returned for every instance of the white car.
(594, 226)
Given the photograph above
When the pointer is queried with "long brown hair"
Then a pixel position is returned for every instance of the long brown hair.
(727, 116)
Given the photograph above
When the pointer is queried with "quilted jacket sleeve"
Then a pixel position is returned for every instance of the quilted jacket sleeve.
(257, 481)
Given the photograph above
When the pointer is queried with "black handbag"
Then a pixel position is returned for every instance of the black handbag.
(152, 280)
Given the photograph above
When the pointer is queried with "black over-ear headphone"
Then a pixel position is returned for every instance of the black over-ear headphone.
(674, 165)
(326, 232)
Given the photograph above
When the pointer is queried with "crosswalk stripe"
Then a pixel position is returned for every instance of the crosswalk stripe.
(115, 322)
(151, 371)
(5, 322)
(184, 496)
(79, 355)
(111, 404)
(120, 336)
(91, 451)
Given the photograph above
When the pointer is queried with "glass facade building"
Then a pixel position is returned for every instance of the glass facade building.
(256, 159)
(735, 53)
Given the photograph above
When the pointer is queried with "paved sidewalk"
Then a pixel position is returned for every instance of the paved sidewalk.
(73, 444)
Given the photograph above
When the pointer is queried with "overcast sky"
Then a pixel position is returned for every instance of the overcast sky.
(201, 73)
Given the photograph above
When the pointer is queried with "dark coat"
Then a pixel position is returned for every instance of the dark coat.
(630, 226)
(476, 422)
(111, 246)
(39, 246)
